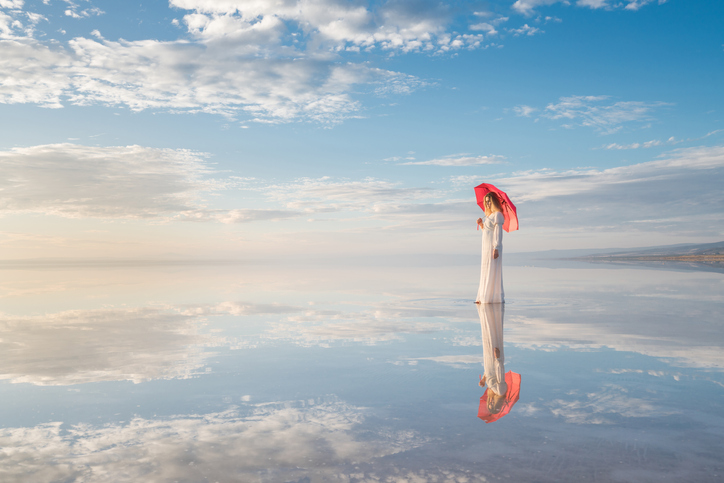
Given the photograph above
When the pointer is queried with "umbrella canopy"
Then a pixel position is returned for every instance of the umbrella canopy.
(509, 211)
(511, 397)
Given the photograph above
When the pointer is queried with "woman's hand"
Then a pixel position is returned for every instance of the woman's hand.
(480, 221)
(495, 253)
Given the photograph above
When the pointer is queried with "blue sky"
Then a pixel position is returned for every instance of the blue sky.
(235, 128)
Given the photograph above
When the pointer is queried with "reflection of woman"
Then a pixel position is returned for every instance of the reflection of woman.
(491, 268)
(491, 325)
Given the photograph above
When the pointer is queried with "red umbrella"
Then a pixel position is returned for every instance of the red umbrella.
(512, 379)
(509, 211)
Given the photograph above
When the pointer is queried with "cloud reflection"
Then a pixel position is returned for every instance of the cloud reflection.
(80, 346)
(319, 327)
(278, 442)
(116, 344)
(173, 341)
(656, 341)
(600, 407)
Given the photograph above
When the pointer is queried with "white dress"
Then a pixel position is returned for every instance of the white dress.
(491, 325)
(491, 290)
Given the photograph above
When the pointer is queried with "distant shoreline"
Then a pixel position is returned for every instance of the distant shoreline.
(656, 258)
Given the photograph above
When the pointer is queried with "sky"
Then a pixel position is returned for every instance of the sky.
(217, 129)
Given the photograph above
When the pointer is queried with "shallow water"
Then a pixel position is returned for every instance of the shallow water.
(254, 372)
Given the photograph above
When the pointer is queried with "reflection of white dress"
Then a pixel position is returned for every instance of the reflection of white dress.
(491, 325)
(491, 290)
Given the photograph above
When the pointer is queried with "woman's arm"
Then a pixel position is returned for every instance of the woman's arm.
(498, 234)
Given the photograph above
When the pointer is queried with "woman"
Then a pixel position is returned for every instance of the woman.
(491, 290)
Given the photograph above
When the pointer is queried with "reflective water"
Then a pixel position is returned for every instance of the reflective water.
(365, 372)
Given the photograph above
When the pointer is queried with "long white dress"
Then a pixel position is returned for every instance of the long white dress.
(491, 326)
(491, 290)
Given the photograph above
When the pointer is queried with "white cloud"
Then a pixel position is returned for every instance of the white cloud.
(526, 7)
(464, 180)
(12, 4)
(163, 185)
(593, 111)
(645, 145)
(397, 83)
(538, 185)
(216, 78)
(459, 160)
(243, 59)
(268, 62)
(707, 134)
(524, 111)
(490, 25)
(326, 195)
(485, 27)
(88, 12)
(135, 182)
(7, 25)
(211, 77)
(32, 73)
(114, 182)
(425, 217)
(16, 23)
(74, 10)
(625, 204)
(400, 26)
(34, 17)
(362, 204)
(655, 142)
(637, 4)
(525, 30)
(238, 215)
(594, 4)
(120, 182)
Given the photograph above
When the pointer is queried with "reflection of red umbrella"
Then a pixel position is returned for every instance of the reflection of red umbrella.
(509, 211)
(511, 397)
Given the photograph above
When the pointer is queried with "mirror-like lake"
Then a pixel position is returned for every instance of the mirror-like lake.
(364, 373)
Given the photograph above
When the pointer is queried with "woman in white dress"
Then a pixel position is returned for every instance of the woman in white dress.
(491, 290)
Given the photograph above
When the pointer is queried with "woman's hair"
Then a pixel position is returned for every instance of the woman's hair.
(493, 200)
(495, 403)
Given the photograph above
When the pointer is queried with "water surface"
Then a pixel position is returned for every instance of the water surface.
(363, 372)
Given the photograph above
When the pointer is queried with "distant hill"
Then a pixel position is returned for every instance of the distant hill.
(682, 250)
(603, 253)
(707, 257)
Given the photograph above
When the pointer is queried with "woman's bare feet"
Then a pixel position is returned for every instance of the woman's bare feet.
(477, 302)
